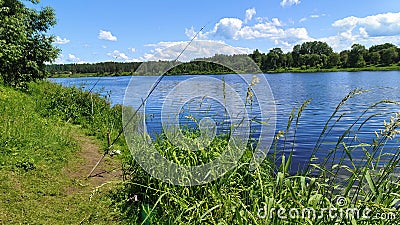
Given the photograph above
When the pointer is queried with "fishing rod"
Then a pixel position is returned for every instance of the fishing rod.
(144, 101)
(98, 80)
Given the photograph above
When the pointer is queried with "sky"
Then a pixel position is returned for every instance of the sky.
(89, 31)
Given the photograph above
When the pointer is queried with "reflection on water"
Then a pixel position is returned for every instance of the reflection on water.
(290, 90)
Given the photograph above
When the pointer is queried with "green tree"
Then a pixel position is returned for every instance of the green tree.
(296, 55)
(374, 58)
(389, 56)
(357, 56)
(274, 59)
(25, 46)
(378, 48)
(315, 47)
(344, 58)
(289, 60)
(257, 57)
(333, 60)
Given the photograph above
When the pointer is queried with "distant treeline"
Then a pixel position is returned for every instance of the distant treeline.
(307, 56)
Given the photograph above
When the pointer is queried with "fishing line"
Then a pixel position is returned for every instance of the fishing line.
(154, 87)
(143, 100)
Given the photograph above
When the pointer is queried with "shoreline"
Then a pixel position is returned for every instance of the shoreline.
(295, 70)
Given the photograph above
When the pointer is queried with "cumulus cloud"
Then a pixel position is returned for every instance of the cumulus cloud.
(71, 58)
(168, 51)
(117, 55)
(133, 50)
(106, 35)
(368, 31)
(289, 2)
(277, 22)
(61, 41)
(249, 14)
(228, 28)
(191, 32)
(387, 24)
(274, 30)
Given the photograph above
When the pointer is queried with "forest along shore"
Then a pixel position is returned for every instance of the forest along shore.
(305, 58)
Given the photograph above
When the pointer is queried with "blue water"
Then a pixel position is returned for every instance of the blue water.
(326, 90)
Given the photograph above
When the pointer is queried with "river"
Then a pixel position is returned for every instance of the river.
(326, 90)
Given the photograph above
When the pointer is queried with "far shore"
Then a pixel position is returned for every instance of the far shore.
(292, 70)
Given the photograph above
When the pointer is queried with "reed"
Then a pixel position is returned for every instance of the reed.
(339, 181)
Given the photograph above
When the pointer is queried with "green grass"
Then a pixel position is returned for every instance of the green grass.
(238, 196)
(37, 144)
(36, 136)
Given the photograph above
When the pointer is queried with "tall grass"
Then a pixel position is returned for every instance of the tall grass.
(340, 181)
(37, 130)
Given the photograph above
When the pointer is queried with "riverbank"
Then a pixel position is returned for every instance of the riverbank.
(53, 135)
(49, 146)
(292, 70)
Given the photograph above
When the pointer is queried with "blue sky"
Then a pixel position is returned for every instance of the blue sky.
(128, 30)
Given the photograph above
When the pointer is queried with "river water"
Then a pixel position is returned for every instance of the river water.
(326, 90)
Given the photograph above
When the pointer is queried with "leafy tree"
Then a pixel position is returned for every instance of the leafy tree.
(257, 57)
(315, 47)
(389, 55)
(296, 55)
(356, 56)
(25, 47)
(289, 60)
(344, 58)
(274, 59)
(374, 58)
(378, 48)
(333, 60)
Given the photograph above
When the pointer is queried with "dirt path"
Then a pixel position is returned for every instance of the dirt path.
(89, 154)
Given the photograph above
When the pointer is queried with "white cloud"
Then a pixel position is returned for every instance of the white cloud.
(168, 51)
(106, 35)
(277, 22)
(133, 50)
(314, 16)
(60, 59)
(232, 28)
(289, 2)
(302, 20)
(228, 28)
(117, 55)
(368, 31)
(191, 32)
(61, 41)
(249, 14)
(363, 32)
(387, 24)
(73, 59)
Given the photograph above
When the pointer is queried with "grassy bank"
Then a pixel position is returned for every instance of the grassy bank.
(45, 128)
(338, 189)
(43, 131)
